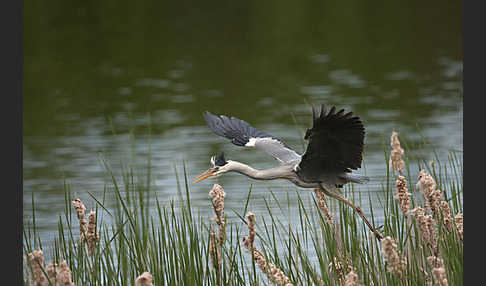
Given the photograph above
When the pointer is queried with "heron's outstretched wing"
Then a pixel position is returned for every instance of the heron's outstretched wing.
(243, 134)
(335, 144)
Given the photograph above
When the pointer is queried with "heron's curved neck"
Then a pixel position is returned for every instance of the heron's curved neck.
(268, 174)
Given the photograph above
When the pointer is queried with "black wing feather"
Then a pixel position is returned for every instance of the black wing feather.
(335, 144)
(239, 131)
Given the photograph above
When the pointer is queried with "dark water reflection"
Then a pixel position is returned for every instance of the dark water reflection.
(95, 67)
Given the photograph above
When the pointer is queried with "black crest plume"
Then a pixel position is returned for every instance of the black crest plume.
(335, 143)
(220, 160)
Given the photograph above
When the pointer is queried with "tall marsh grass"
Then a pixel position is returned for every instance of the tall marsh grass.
(146, 238)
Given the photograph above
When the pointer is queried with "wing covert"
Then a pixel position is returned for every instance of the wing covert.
(243, 134)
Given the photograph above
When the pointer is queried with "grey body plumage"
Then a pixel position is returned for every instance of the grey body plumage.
(326, 160)
(335, 148)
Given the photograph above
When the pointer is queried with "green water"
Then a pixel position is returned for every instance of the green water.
(91, 68)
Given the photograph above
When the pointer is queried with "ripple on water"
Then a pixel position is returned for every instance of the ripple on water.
(152, 82)
(346, 77)
(318, 90)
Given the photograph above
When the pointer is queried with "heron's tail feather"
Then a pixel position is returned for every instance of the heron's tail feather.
(356, 178)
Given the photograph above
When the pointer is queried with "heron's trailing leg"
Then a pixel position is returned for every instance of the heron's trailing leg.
(357, 209)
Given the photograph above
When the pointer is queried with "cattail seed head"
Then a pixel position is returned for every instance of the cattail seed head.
(438, 271)
(396, 161)
(63, 275)
(80, 211)
(446, 215)
(217, 194)
(431, 224)
(214, 251)
(402, 195)
(425, 181)
(92, 236)
(426, 225)
(426, 184)
(434, 261)
(459, 221)
(249, 240)
(51, 272)
(35, 260)
(80, 208)
(419, 215)
(321, 202)
(440, 276)
(434, 201)
(396, 263)
(338, 267)
(351, 279)
(57, 275)
(274, 274)
(145, 279)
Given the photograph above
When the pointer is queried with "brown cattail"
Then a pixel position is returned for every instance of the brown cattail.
(396, 263)
(218, 195)
(351, 279)
(321, 202)
(274, 274)
(438, 271)
(431, 224)
(434, 201)
(459, 220)
(435, 261)
(339, 269)
(80, 210)
(425, 181)
(426, 224)
(214, 251)
(92, 236)
(57, 275)
(426, 184)
(145, 279)
(35, 260)
(250, 239)
(51, 272)
(419, 215)
(402, 195)
(396, 161)
(432, 196)
(63, 275)
(446, 215)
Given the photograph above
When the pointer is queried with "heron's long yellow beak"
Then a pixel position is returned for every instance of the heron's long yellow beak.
(206, 174)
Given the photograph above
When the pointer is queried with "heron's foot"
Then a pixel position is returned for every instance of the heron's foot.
(378, 233)
(379, 230)
(375, 230)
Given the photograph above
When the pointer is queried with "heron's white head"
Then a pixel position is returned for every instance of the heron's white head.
(218, 166)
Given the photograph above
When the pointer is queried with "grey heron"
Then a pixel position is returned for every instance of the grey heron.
(335, 148)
